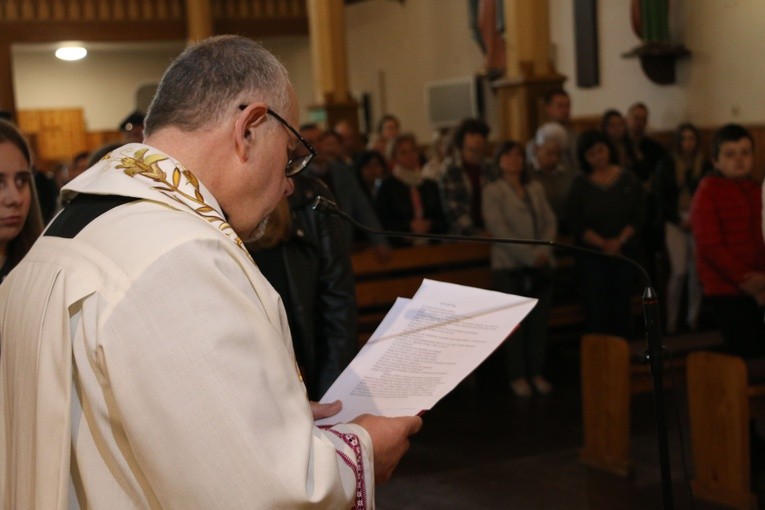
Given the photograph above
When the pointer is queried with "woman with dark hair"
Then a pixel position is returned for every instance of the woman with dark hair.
(406, 201)
(20, 219)
(513, 206)
(370, 169)
(606, 212)
(676, 180)
(613, 125)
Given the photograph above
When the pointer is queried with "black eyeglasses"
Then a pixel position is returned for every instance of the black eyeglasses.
(295, 165)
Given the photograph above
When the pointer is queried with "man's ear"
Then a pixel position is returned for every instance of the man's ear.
(245, 127)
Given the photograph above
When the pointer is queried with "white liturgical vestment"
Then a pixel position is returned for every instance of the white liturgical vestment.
(146, 363)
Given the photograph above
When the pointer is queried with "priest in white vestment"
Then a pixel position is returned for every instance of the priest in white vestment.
(144, 360)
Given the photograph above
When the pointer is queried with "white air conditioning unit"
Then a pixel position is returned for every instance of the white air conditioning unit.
(448, 102)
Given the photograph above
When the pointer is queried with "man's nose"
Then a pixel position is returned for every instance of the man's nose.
(290, 187)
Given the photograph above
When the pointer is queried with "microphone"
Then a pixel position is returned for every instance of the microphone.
(654, 356)
(326, 206)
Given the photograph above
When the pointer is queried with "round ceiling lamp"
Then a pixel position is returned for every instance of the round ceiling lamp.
(71, 53)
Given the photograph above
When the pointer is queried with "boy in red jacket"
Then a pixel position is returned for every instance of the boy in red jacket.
(726, 217)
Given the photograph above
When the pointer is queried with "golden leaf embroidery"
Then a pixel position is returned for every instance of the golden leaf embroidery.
(147, 166)
(191, 178)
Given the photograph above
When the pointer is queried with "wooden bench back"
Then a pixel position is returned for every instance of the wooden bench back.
(378, 284)
(722, 403)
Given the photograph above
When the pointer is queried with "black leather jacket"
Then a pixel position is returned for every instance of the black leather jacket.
(312, 272)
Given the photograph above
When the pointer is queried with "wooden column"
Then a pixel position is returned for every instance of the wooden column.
(199, 20)
(326, 27)
(7, 96)
(529, 72)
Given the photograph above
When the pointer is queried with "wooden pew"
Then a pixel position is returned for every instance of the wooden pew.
(611, 372)
(722, 400)
(605, 377)
(378, 284)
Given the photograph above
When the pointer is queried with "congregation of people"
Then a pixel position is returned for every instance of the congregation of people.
(613, 189)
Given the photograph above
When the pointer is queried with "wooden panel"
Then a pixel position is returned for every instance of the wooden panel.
(59, 133)
(606, 403)
(95, 139)
(384, 292)
(367, 262)
(718, 407)
(103, 10)
(99, 31)
(7, 97)
(143, 20)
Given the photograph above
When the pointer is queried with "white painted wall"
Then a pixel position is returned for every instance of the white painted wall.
(718, 84)
(104, 84)
(395, 48)
(424, 40)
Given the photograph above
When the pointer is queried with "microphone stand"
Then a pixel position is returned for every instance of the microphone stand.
(654, 356)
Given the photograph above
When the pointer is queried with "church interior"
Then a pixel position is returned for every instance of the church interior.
(592, 441)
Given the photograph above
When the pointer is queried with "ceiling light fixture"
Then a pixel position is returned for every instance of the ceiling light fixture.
(71, 53)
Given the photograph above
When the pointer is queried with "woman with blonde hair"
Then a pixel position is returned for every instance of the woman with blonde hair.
(20, 219)
(677, 178)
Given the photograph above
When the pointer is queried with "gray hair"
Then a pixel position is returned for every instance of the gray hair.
(210, 77)
(551, 131)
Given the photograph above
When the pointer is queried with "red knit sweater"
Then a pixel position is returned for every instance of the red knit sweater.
(726, 216)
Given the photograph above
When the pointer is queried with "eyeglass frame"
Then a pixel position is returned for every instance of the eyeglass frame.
(303, 161)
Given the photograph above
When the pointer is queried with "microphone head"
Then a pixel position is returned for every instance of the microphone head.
(324, 205)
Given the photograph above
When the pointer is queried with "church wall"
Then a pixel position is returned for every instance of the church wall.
(717, 84)
(105, 82)
(395, 48)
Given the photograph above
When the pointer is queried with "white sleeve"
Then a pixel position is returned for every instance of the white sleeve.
(197, 363)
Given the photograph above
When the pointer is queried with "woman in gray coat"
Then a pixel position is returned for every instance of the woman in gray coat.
(515, 207)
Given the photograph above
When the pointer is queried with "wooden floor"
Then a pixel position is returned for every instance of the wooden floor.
(484, 448)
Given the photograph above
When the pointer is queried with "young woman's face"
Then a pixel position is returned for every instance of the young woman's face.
(615, 127)
(407, 155)
(688, 141)
(389, 129)
(15, 191)
(511, 162)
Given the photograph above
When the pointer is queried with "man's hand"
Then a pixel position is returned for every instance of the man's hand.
(390, 440)
(325, 410)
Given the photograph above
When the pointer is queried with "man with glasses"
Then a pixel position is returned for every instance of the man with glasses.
(145, 361)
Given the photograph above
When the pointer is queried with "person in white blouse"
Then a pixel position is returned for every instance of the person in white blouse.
(515, 207)
(146, 362)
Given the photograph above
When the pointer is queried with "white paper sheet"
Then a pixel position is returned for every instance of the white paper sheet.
(423, 348)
